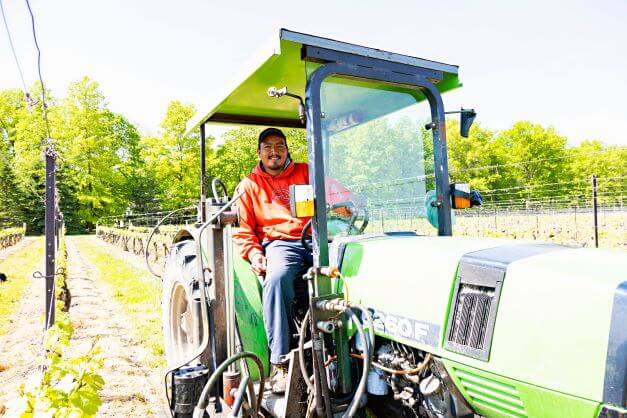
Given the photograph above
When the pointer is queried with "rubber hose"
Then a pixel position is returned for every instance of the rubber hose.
(323, 383)
(202, 401)
(317, 389)
(370, 324)
(214, 189)
(152, 233)
(361, 387)
(303, 369)
(301, 352)
(317, 361)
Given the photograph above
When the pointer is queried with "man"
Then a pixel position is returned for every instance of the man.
(269, 237)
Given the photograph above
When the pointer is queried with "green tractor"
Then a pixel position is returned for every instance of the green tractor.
(387, 322)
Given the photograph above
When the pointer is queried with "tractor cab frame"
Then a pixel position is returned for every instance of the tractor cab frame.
(303, 63)
(338, 86)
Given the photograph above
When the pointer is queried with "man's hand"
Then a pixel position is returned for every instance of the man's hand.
(258, 263)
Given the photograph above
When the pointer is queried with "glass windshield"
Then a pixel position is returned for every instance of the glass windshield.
(378, 157)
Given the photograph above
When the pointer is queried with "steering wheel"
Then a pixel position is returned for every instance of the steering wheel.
(352, 229)
(303, 236)
(216, 184)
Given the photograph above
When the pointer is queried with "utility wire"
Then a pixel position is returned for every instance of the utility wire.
(17, 61)
(551, 190)
(534, 185)
(485, 167)
(562, 198)
(44, 106)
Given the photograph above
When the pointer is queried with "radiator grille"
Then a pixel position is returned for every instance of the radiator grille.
(471, 316)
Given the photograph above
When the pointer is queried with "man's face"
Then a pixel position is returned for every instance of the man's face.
(273, 153)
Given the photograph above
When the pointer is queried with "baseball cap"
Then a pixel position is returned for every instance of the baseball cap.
(270, 132)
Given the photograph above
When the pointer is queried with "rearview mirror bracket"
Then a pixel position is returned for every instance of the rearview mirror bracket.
(467, 117)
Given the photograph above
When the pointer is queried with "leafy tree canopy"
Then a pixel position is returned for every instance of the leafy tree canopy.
(106, 167)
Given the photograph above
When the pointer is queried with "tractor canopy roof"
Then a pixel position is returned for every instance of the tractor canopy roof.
(247, 102)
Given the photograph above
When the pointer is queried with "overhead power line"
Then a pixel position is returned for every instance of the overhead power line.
(44, 106)
(17, 61)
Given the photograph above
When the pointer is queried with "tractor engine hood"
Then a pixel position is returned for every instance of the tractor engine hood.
(559, 315)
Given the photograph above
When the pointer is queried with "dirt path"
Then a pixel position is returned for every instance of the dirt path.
(20, 348)
(131, 389)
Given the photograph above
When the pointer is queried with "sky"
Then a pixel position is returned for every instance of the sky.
(561, 64)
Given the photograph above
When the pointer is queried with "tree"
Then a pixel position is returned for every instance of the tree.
(608, 163)
(476, 160)
(173, 157)
(91, 143)
(11, 209)
(533, 155)
(25, 137)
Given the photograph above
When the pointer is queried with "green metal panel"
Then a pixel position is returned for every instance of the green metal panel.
(246, 101)
(410, 277)
(553, 319)
(249, 313)
(492, 395)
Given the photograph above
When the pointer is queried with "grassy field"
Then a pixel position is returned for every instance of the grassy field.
(135, 289)
(18, 268)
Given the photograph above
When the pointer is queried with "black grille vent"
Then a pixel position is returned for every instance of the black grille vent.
(471, 321)
(471, 316)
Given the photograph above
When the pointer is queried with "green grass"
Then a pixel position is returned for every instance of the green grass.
(137, 290)
(18, 268)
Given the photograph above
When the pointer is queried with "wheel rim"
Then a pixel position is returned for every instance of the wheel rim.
(181, 325)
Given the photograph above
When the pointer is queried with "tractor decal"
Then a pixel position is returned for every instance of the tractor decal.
(407, 328)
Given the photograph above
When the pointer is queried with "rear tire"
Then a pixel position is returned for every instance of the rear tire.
(181, 305)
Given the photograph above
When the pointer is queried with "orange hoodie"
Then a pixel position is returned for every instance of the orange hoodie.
(264, 208)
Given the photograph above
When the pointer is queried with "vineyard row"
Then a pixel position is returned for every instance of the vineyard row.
(11, 236)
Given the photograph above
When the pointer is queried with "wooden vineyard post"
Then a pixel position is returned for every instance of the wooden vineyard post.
(50, 229)
(594, 211)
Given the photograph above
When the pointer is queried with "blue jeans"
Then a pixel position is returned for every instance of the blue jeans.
(286, 261)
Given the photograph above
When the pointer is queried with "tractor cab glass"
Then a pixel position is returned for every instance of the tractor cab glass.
(378, 156)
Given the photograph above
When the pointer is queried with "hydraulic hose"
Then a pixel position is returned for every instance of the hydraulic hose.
(152, 233)
(317, 387)
(322, 374)
(301, 351)
(361, 387)
(215, 183)
(239, 401)
(399, 372)
(202, 402)
(301, 358)
(365, 312)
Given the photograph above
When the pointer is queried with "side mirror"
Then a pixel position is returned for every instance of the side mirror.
(467, 118)
(463, 198)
